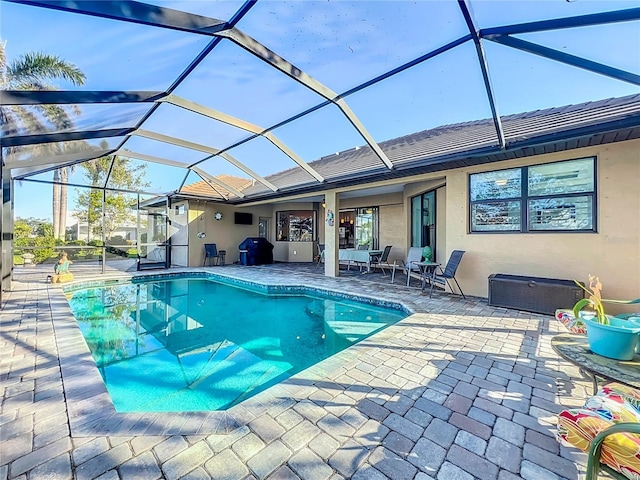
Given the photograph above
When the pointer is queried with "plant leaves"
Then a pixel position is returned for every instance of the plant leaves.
(580, 304)
(627, 302)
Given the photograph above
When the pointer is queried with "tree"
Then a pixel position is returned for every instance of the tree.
(35, 234)
(35, 71)
(123, 175)
(44, 230)
(31, 227)
(22, 229)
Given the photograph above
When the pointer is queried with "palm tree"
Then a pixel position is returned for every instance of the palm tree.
(35, 71)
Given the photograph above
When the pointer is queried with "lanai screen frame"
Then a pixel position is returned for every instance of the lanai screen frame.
(218, 30)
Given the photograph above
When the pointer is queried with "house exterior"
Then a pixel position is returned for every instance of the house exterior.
(560, 200)
(550, 185)
(81, 231)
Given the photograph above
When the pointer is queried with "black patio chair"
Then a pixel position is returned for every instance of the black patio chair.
(382, 261)
(449, 273)
(211, 253)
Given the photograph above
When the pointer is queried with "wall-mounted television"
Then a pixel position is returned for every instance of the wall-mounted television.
(243, 218)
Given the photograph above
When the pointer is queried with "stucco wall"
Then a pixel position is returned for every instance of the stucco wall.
(224, 233)
(613, 253)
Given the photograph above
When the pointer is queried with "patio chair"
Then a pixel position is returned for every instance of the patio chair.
(409, 264)
(382, 261)
(320, 255)
(210, 253)
(449, 273)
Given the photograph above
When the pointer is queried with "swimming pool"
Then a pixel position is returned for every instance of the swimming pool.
(198, 343)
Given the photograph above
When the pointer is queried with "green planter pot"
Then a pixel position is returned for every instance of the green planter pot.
(618, 340)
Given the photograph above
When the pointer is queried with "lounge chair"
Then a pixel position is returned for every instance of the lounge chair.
(449, 273)
(382, 261)
(409, 264)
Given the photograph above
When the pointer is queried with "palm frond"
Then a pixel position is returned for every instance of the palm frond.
(8, 120)
(40, 66)
(29, 122)
(58, 116)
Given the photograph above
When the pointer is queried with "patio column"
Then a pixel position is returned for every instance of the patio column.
(331, 240)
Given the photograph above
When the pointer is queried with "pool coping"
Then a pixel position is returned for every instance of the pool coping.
(91, 411)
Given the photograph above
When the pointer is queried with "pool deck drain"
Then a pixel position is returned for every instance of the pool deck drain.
(457, 390)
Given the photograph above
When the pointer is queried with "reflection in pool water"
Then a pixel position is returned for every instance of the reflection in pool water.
(195, 344)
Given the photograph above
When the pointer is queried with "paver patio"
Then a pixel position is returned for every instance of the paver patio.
(459, 390)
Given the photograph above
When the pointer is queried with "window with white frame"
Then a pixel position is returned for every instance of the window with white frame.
(552, 197)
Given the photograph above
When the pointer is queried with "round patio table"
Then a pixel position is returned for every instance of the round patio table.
(575, 349)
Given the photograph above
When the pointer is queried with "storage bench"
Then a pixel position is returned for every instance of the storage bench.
(532, 294)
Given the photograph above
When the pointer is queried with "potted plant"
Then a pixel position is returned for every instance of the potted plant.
(608, 336)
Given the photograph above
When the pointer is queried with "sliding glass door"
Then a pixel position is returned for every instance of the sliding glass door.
(423, 220)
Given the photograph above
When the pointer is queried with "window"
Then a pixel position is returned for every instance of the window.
(553, 197)
(296, 226)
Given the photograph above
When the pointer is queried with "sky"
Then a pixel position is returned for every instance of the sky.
(341, 44)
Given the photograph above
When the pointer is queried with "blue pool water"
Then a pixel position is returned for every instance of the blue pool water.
(193, 344)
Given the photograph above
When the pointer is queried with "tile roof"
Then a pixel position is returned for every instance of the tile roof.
(203, 188)
(475, 142)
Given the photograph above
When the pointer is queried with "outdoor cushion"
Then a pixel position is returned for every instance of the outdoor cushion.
(622, 393)
(573, 324)
(614, 403)
(613, 408)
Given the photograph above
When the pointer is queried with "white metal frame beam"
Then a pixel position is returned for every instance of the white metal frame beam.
(206, 149)
(151, 158)
(263, 53)
(243, 125)
(211, 179)
(165, 161)
(24, 167)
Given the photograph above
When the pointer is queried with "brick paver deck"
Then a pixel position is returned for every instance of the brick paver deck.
(458, 390)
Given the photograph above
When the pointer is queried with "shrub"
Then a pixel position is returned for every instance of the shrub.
(117, 240)
(44, 249)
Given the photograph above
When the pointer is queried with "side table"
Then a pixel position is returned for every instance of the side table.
(426, 271)
(575, 349)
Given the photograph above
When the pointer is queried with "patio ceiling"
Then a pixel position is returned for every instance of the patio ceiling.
(302, 96)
